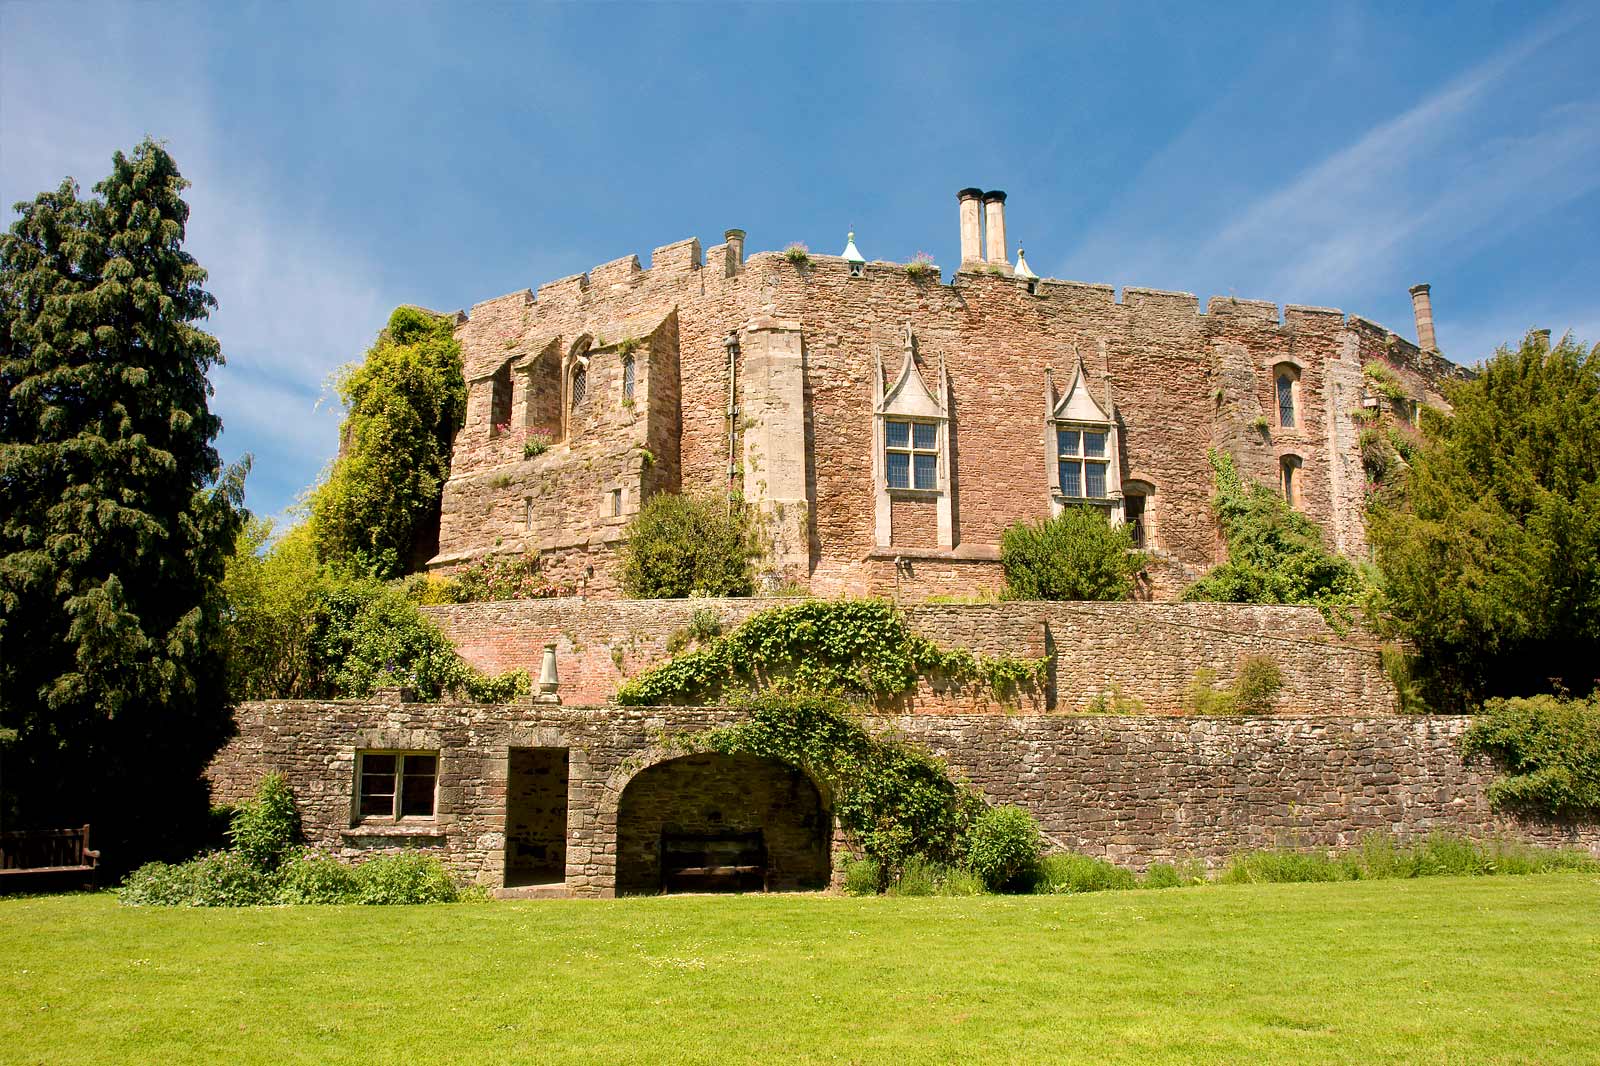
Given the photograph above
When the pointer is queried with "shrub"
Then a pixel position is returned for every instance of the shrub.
(1063, 873)
(1077, 555)
(960, 882)
(797, 253)
(1168, 875)
(680, 545)
(265, 831)
(1206, 698)
(1114, 701)
(921, 265)
(1003, 847)
(407, 877)
(1256, 690)
(510, 576)
(704, 624)
(1275, 553)
(1549, 749)
(309, 877)
(918, 877)
(861, 877)
(219, 879)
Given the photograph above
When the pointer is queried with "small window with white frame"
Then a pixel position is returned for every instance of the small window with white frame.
(911, 452)
(1082, 461)
(393, 786)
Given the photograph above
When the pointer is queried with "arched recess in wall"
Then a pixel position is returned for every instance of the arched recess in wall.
(708, 822)
(1139, 511)
(541, 390)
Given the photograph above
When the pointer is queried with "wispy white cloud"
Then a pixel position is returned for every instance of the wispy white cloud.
(1443, 176)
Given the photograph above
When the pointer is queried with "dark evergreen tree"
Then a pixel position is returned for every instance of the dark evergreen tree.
(1491, 562)
(116, 517)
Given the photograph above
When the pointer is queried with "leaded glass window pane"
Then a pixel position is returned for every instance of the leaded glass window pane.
(580, 385)
(627, 377)
(1095, 478)
(927, 471)
(899, 470)
(1070, 473)
(897, 434)
(924, 436)
(1067, 442)
(1286, 401)
(1094, 444)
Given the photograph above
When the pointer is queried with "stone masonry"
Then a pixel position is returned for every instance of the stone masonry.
(1134, 789)
(759, 375)
(1150, 651)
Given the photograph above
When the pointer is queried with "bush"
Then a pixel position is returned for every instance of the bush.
(1206, 698)
(1256, 690)
(408, 877)
(1003, 847)
(500, 577)
(220, 879)
(1550, 750)
(1063, 873)
(861, 877)
(1077, 555)
(681, 545)
(265, 831)
(1167, 875)
(918, 877)
(309, 877)
(1275, 553)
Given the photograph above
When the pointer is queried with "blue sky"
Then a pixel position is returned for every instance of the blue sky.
(349, 157)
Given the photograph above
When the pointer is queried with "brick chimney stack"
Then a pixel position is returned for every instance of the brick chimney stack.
(1422, 307)
(971, 239)
(994, 224)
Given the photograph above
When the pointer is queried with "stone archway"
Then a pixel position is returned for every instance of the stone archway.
(727, 814)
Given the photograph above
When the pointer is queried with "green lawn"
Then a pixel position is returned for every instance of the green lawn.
(1490, 969)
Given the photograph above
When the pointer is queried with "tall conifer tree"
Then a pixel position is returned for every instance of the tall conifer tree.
(116, 516)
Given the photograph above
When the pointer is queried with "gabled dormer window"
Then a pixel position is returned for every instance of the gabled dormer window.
(1083, 463)
(911, 471)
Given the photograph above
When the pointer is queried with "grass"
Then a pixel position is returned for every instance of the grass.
(1483, 970)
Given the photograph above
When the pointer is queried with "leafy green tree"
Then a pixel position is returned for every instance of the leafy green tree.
(379, 508)
(1491, 564)
(688, 545)
(116, 516)
(1275, 553)
(1077, 555)
(273, 592)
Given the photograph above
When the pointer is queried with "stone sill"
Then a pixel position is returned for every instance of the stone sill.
(914, 494)
(417, 833)
(977, 553)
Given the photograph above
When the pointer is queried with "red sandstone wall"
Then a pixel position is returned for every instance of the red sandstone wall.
(1182, 381)
(1150, 650)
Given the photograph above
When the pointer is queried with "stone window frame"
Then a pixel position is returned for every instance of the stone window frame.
(397, 815)
(909, 399)
(1279, 367)
(1075, 408)
(1081, 458)
(1291, 479)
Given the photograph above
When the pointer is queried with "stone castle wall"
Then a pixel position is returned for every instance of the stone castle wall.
(1183, 380)
(1151, 651)
(1132, 789)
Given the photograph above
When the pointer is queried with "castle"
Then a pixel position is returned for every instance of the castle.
(886, 426)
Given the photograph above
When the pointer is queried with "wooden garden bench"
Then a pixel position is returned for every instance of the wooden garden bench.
(42, 852)
(729, 861)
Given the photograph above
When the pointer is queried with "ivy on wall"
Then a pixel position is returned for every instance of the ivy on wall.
(849, 647)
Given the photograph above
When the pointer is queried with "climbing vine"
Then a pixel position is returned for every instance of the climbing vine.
(893, 800)
(848, 647)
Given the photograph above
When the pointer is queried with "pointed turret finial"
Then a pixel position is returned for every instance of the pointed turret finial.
(1022, 270)
(851, 253)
